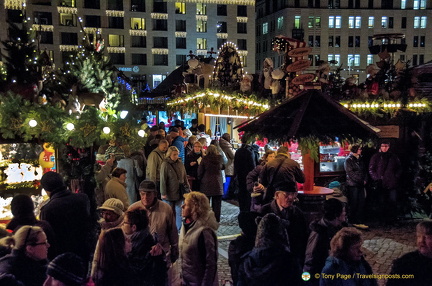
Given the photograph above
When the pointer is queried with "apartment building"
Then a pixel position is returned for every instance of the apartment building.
(146, 39)
(343, 30)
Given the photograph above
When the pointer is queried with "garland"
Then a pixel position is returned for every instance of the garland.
(218, 100)
(17, 113)
(381, 108)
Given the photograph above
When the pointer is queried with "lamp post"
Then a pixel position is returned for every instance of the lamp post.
(350, 60)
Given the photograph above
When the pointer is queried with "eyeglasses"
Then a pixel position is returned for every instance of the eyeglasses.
(40, 243)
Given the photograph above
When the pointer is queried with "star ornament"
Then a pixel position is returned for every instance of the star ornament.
(87, 129)
(125, 130)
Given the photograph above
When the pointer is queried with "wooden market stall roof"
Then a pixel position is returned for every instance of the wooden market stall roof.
(308, 113)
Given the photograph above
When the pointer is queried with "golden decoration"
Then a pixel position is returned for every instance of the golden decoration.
(15, 123)
(87, 129)
(126, 130)
(45, 126)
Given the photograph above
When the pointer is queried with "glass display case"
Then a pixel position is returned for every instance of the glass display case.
(332, 158)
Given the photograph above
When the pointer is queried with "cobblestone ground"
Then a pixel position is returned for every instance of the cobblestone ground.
(382, 244)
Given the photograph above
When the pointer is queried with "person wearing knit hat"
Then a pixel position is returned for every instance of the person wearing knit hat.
(112, 216)
(66, 269)
(112, 213)
(52, 182)
(69, 216)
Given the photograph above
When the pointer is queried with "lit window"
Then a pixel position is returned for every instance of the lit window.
(297, 22)
(423, 22)
(331, 21)
(280, 23)
(416, 4)
(384, 22)
(330, 58)
(403, 4)
(201, 43)
(201, 26)
(357, 60)
(180, 8)
(351, 22)
(358, 22)
(318, 22)
(201, 9)
(265, 28)
(314, 22)
(138, 23)
(371, 21)
(337, 59)
(416, 22)
(338, 22)
(311, 22)
(422, 4)
(115, 40)
(370, 59)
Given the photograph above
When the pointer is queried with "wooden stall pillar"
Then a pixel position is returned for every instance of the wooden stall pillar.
(308, 170)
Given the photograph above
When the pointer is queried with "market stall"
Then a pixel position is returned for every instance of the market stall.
(312, 119)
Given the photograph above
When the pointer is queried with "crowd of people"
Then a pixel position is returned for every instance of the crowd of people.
(159, 211)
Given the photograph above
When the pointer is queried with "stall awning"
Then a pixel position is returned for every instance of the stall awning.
(309, 113)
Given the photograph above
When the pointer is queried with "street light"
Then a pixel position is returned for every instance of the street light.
(350, 60)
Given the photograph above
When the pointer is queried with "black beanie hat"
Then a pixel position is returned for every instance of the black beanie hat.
(68, 268)
(51, 181)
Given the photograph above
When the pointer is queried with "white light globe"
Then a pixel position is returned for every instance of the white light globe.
(32, 123)
(141, 133)
(123, 114)
(70, 126)
(106, 130)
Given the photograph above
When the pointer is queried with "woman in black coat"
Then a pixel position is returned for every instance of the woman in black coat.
(192, 162)
(209, 172)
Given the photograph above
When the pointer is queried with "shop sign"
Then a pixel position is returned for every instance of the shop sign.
(298, 66)
(307, 77)
(389, 131)
(129, 69)
(299, 52)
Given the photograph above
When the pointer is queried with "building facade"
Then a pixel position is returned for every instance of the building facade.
(343, 30)
(146, 39)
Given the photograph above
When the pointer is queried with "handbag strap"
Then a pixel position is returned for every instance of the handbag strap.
(172, 166)
(275, 173)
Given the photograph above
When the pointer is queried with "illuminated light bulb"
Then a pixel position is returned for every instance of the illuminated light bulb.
(33, 123)
(106, 130)
(141, 133)
(123, 114)
(70, 126)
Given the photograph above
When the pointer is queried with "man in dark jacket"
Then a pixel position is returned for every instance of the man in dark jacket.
(68, 215)
(244, 162)
(281, 171)
(293, 219)
(385, 170)
(322, 231)
(355, 180)
(417, 263)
